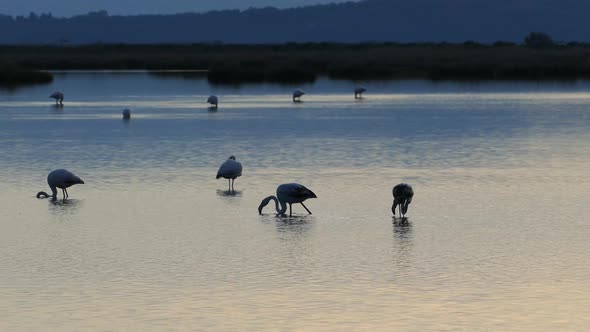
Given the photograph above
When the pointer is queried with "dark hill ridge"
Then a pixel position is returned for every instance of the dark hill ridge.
(371, 20)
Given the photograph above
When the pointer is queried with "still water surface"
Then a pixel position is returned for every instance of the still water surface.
(496, 239)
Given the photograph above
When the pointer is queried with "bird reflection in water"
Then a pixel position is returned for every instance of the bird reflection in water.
(402, 227)
(285, 222)
(402, 244)
(295, 225)
(229, 193)
(64, 207)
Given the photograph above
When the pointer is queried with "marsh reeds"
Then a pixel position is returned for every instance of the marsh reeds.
(295, 63)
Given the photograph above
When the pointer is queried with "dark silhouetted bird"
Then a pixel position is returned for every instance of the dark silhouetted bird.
(402, 196)
(62, 179)
(288, 193)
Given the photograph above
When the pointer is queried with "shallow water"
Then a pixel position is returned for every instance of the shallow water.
(496, 237)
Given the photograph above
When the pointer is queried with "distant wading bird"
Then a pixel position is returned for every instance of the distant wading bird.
(297, 95)
(58, 96)
(288, 194)
(358, 92)
(62, 179)
(126, 114)
(213, 100)
(230, 170)
(402, 196)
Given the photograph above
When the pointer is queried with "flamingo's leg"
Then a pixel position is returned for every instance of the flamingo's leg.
(306, 208)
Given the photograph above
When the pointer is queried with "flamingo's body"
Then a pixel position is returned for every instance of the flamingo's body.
(126, 114)
(213, 100)
(62, 179)
(288, 193)
(230, 169)
(297, 95)
(402, 196)
(358, 92)
(58, 96)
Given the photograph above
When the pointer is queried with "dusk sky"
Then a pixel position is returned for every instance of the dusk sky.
(74, 7)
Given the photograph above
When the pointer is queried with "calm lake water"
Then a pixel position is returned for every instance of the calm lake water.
(496, 237)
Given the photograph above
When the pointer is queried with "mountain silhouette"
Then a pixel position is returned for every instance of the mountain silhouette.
(366, 21)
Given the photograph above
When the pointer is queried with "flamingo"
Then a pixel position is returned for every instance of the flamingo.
(60, 178)
(230, 170)
(58, 96)
(297, 95)
(213, 100)
(358, 92)
(288, 193)
(402, 196)
(126, 114)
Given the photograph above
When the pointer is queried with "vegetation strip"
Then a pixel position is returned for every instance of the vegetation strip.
(295, 63)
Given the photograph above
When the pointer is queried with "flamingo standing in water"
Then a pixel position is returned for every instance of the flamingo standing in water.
(297, 95)
(62, 179)
(288, 193)
(58, 96)
(402, 196)
(358, 92)
(230, 170)
(213, 100)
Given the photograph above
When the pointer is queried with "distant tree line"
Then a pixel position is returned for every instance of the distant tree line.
(402, 21)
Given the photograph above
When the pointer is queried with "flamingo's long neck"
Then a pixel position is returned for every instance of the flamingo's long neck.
(283, 205)
(43, 194)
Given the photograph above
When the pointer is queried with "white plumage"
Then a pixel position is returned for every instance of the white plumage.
(230, 169)
(288, 193)
(62, 179)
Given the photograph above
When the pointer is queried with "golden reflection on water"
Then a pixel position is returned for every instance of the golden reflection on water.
(479, 251)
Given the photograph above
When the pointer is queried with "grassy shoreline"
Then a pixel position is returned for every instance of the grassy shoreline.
(295, 63)
(14, 76)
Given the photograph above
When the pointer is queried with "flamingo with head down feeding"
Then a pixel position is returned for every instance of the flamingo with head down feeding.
(58, 96)
(288, 193)
(62, 179)
(358, 92)
(402, 196)
(297, 95)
